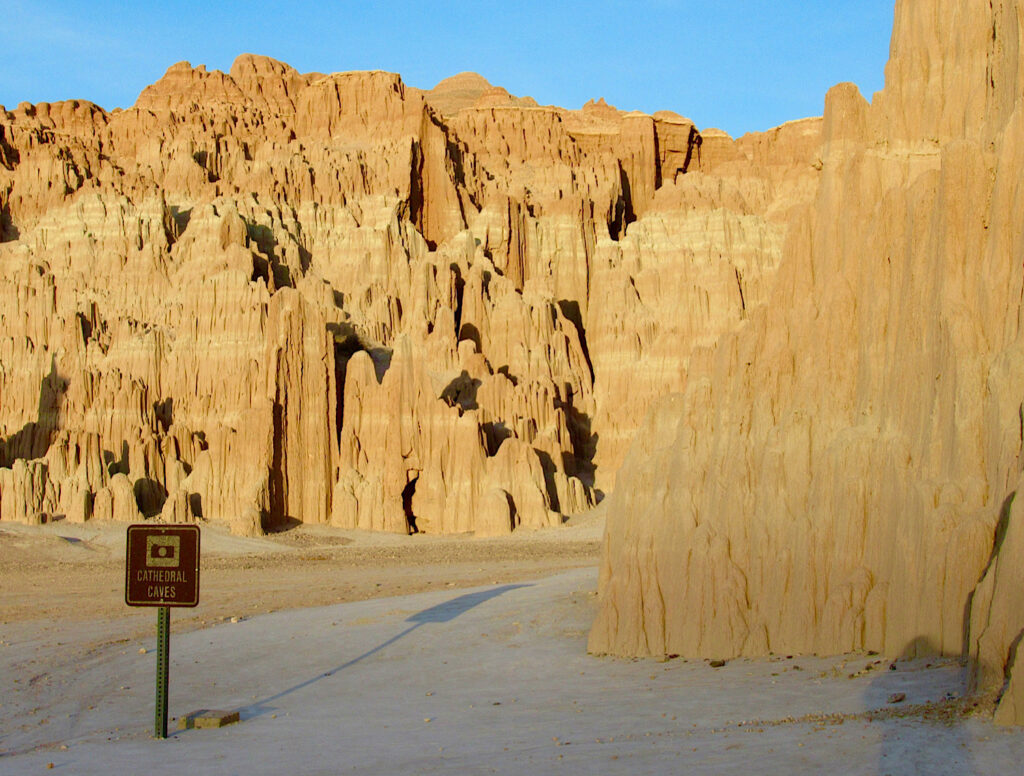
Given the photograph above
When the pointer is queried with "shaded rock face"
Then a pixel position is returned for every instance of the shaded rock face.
(843, 472)
(263, 297)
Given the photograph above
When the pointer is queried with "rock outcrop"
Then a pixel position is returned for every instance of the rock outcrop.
(261, 296)
(841, 472)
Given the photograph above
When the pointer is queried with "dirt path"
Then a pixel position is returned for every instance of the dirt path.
(60, 575)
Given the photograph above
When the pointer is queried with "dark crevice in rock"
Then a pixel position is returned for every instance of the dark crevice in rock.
(8, 230)
(277, 484)
(622, 214)
(407, 495)
(33, 440)
(460, 288)
(571, 310)
(346, 345)
(461, 392)
(549, 468)
(495, 432)
(417, 202)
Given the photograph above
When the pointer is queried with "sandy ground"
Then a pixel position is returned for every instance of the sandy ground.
(354, 653)
(61, 574)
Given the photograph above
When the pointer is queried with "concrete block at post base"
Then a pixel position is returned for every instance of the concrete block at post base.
(207, 718)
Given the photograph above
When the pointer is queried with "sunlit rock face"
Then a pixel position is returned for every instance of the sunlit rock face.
(840, 472)
(264, 297)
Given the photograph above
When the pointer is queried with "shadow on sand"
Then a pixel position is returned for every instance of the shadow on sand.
(443, 612)
(911, 738)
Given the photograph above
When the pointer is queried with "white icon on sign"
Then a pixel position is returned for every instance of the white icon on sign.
(163, 551)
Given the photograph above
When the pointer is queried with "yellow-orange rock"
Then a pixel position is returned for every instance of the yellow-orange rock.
(263, 296)
(840, 471)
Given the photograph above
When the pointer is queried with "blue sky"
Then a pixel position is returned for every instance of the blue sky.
(735, 65)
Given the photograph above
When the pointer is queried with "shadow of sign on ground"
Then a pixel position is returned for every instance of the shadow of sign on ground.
(441, 613)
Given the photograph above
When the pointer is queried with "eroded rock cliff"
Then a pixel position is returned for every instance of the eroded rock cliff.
(841, 473)
(261, 296)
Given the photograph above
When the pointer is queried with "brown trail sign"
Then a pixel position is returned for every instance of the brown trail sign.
(162, 565)
(162, 569)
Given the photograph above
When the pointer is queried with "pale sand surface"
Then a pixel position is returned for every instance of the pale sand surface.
(372, 654)
(66, 573)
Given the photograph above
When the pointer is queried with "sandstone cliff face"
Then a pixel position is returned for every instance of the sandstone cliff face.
(262, 296)
(841, 472)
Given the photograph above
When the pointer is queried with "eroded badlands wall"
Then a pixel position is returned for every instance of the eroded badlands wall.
(841, 472)
(261, 296)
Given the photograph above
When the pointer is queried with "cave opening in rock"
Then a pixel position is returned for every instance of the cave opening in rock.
(460, 287)
(346, 344)
(622, 214)
(407, 493)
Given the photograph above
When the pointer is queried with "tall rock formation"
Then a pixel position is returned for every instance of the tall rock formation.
(261, 296)
(841, 472)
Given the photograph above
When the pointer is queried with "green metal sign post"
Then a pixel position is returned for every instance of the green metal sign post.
(162, 570)
(163, 650)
